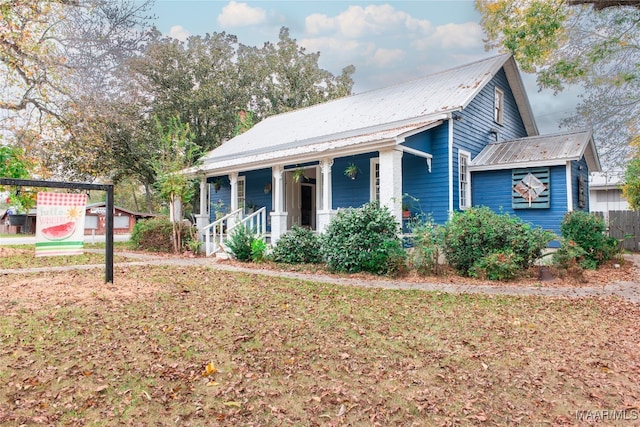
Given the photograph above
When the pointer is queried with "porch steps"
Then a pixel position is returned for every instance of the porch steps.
(216, 232)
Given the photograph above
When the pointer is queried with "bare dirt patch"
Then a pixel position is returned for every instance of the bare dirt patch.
(80, 288)
(7, 251)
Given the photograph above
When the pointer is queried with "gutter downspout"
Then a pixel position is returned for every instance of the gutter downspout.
(569, 187)
(450, 119)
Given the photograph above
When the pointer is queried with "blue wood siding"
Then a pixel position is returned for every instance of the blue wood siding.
(498, 197)
(254, 192)
(431, 189)
(223, 195)
(472, 132)
(349, 192)
(254, 187)
(579, 170)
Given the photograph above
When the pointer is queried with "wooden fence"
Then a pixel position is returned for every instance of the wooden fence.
(625, 225)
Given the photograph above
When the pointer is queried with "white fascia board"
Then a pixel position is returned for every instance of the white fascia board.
(521, 97)
(555, 162)
(300, 158)
(438, 120)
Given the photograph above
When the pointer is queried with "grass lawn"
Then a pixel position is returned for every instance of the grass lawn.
(192, 346)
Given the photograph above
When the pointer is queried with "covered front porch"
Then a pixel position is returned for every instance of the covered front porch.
(306, 194)
(305, 183)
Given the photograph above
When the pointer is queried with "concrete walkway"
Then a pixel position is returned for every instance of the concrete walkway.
(626, 290)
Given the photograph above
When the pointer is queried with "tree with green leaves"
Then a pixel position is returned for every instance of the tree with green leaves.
(218, 87)
(53, 53)
(15, 164)
(594, 44)
(284, 77)
(176, 152)
(209, 79)
(631, 185)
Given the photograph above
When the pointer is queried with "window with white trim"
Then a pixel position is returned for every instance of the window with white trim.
(241, 192)
(375, 179)
(464, 179)
(498, 106)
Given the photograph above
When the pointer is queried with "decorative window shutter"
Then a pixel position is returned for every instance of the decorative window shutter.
(540, 200)
(582, 192)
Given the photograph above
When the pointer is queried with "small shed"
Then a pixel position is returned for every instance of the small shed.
(123, 219)
(29, 226)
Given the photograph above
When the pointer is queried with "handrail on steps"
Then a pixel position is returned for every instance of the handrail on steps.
(215, 232)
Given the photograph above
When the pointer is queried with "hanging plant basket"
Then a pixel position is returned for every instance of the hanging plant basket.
(351, 171)
(298, 175)
(17, 219)
(217, 184)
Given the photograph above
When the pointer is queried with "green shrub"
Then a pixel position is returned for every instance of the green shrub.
(258, 249)
(239, 243)
(477, 232)
(499, 265)
(296, 246)
(427, 246)
(568, 255)
(155, 235)
(588, 232)
(363, 239)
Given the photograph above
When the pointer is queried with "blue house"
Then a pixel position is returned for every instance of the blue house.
(459, 138)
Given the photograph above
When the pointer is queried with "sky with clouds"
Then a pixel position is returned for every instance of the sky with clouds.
(388, 42)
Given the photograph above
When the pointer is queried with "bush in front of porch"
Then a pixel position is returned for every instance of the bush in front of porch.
(298, 246)
(364, 239)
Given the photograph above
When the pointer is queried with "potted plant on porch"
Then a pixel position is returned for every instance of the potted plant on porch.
(299, 175)
(406, 212)
(351, 171)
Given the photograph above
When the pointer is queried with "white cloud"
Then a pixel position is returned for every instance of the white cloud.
(240, 15)
(468, 36)
(179, 32)
(318, 23)
(356, 22)
(335, 54)
(385, 57)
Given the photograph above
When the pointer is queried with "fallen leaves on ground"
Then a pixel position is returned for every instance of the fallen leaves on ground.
(74, 351)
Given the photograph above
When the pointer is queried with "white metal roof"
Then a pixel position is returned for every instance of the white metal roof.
(300, 153)
(365, 118)
(606, 180)
(547, 150)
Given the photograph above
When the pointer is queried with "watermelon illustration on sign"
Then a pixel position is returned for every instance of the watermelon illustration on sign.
(60, 231)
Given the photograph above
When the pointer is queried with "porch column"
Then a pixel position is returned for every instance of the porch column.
(391, 182)
(233, 180)
(325, 212)
(278, 216)
(202, 219)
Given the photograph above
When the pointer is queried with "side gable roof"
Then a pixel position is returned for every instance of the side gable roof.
(547, 150)
(401, 106)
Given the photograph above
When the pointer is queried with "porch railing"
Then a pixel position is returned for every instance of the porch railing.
(216, 232)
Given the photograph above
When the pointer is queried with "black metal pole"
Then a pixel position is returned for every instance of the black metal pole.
(80, 186)
(109, 237)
